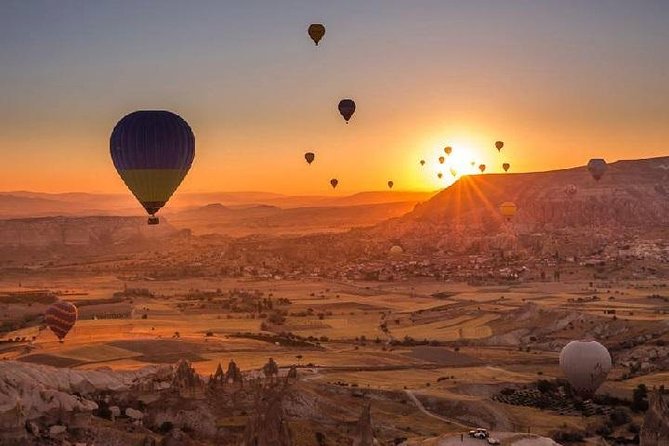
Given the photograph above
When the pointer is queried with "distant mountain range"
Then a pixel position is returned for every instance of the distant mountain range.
(24, 204)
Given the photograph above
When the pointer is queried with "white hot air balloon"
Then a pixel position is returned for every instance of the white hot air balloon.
(586, 365)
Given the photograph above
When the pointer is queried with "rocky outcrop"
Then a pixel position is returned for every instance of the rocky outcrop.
(234, 374)
(185, 379)
(364, 430)
(38, 400)
(655, 429)
(268, 426)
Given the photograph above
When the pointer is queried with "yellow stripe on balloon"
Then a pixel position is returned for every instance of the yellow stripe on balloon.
(153, 185)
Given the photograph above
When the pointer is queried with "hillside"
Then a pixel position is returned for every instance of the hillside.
(633, 196)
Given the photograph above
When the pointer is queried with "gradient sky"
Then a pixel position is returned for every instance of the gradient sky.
(559, 81)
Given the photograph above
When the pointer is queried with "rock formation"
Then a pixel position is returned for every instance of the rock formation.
(234, 374)
(364, 431)
(38, 400)
(271, 370)
(185, 380)
(655, 429)
(268, 426)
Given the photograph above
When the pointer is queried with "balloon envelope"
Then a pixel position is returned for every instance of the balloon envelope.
(499, 145)
(334, 182)
(454, 172)
(508, 210)
(152, 151)
(448, 150)
(586, 365)
(597, 167)
(422, 162)
(439, 175)
(396, 250)
(390, 184)
(316, 32)
(346, 108)
(506, 166)
(60, 317)
(441, 160)
(482, 167)
(309, 156)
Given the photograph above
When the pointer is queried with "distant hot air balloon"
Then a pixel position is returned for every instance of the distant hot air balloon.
(60, 317)
(441, 160)
(152, 151)
(570, 190)
(448, 150)
(586, 365)
(506, 166)
(454, 172)
(390, 184)
(508, 210)
(309, 156)
(597, 167)
(422, 162)
(347, 108)
(316, 32)
(472, 163)
(396, 250)
(499, 145)
(482, 167)
(439, 175)
(334, 182)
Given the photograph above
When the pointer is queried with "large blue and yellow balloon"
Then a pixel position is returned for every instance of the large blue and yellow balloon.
(152, 151)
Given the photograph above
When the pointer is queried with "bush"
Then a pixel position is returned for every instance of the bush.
(619, 416)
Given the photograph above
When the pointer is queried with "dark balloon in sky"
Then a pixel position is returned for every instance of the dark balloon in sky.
(506, 166)
(597, 168)
(152, 151)
(347, 108)
(334, 182)
(309, 156)
(316, 32)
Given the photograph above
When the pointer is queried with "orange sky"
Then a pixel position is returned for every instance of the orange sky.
(558, 85)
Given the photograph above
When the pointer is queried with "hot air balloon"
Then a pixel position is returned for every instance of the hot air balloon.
(346, 108)
(390, 184)
(152, 151)
(309, 156)
(334, 182)
(508, 210)
(439, 175)
(60, 317)
(482, 167)
(316, 32)
(472, 163)
(454, 172)
(570, 190)
(499, 145)
(441, 160)
(506, 166)
(396, 250)
(586, 365)
(597, 167)
(422, 162)
(448, 150)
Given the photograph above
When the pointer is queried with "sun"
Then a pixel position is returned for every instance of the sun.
(455, 165)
